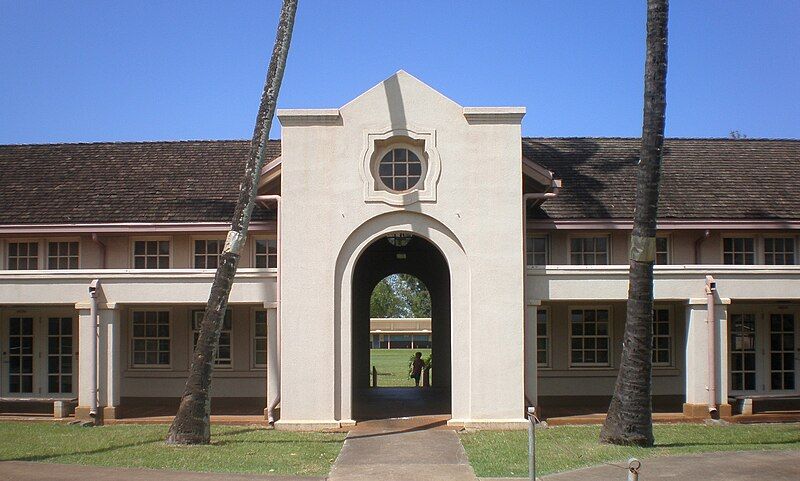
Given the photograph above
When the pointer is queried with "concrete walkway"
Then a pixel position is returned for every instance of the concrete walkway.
(421, 448)
(30, 471)
(727, 466)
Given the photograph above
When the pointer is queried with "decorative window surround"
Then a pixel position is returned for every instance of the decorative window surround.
(376, 144)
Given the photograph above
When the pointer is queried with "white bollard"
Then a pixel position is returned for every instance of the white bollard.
(532, 443)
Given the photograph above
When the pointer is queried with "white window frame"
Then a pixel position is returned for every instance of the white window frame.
(144, 367)
(193, 332)
(670, 336)
(528, 253)
(205, 239)
(606, 236)
(765, 237)
(548, 337)
(28, 240)
(753, 237)
(668, 251)
(385, 149)
(256, 255)
(610, 336)
(254, 366)
(169, 239)
(57, 240)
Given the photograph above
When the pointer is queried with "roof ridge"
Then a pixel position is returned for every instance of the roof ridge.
(133, 142)
(714, 139)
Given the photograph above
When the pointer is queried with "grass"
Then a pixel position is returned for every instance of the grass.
(392, 366)
(234, 449)
(562, 448)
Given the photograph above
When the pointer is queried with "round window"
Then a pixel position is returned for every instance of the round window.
(400, 170)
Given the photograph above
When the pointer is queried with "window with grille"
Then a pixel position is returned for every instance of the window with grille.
(589, 337)
(206, 253)
(266, 253)
(223, 354)
(260, 339)
(662, 338)
(62, 255)
(739, 250)
(662, 250)
(150, 339)
(779, 251)
(589, 251)
(400, 170)
(743, 352)
(59, 355)
(536, 250)
(23, 256)
(151, 254)
(542, 338)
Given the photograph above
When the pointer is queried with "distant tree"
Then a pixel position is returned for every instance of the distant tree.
(400, 295)
(736, 135)
(630, 414)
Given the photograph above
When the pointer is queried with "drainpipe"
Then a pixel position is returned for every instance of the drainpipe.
(711, 322)
(102, 246)
(555, 187)
(276, 369)
(93, 286)
(697, 244)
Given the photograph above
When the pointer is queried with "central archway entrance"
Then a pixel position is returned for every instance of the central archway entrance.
(401, 253)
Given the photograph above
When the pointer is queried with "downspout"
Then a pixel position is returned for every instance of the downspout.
(711, 322)
(275, 402)
(93, 286)
(102, 246)
(697, 244)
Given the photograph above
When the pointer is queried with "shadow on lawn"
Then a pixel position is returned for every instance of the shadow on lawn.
(795, 440)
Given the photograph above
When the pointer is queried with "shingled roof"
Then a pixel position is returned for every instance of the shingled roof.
(197, 181)
(722, 179)
(118, 182)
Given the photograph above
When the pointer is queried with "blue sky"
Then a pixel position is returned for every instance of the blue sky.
(162, 70)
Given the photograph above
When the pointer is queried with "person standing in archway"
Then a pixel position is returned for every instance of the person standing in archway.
(416, 368)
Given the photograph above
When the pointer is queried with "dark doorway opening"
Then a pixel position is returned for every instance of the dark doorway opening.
(417, 257)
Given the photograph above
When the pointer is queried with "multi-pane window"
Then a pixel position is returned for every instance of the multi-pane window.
(206, 253)
(150, 338)
(589, 250)
(260, 339)
(23, 256)
(589, 337)
(62, 255)
(151, 254)
(662, 250)
(400, 170)
(781, 351)
(779, 251)
(59, 355)
(662, 338)
(222, 355)
(743, 352)
(20, 355)
(536, 250)
(542, 338)
(266, 253)
(738, 250)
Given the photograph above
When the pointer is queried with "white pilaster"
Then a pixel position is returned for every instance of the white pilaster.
(273, 357)
(86, 369)
(531, 365)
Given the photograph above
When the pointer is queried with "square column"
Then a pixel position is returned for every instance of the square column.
(273, 359)
(531, 361)
(697, 365)
(105, 364)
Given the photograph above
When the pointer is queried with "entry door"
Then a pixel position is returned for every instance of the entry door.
(59, 355)
(19, 356)
(743, 352)
(782, 351)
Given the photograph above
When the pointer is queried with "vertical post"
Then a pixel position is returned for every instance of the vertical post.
(110, 361)
(532, 443)
(633, 469)
(374, 377)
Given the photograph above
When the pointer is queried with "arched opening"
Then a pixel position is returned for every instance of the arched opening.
(409, 262)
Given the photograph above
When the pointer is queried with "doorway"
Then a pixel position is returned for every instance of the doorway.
(409, 262)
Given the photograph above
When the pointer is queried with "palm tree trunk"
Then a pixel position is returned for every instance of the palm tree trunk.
(192, 424)
(630, 415)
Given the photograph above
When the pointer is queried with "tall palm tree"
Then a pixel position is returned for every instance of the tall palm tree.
(630, 415)
(192, 424)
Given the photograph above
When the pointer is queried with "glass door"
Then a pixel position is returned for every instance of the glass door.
(743, 352)
(59, 355)
(19, 352)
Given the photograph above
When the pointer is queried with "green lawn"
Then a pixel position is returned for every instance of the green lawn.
(392, 366)
(561, 448)
(234, 449)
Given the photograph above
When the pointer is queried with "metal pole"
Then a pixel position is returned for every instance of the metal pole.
(532, 443)
(633, 469)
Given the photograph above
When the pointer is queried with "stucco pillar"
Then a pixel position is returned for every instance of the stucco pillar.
(109, 361)
(86, 329)
(531, 365)
(273, 359)
(697, 366)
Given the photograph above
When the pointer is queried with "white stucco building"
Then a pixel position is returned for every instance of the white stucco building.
(522, 243)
